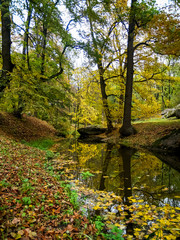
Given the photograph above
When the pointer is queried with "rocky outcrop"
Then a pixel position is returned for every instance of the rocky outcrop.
(91, 130)
(169, 143)
(177, 113)
(171, 112)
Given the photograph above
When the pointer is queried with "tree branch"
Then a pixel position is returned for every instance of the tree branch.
(44, 79)
(143, 43)
(152, 77)
(115, 76)
(114, 95)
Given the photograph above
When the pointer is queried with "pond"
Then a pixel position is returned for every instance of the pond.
(123, 171)
(102, 172)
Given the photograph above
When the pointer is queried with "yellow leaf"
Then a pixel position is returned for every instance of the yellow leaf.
(21, 232)
(18, 236)
(13, 234)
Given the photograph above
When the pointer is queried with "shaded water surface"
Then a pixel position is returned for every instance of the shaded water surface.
(124, 171)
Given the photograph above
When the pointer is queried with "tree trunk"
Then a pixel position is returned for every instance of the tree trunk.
(105, 99)
(6, 43)
(26, 37)
(127, 128)
(43, 48)
(101, 74)
(105, 165)
(126, 154)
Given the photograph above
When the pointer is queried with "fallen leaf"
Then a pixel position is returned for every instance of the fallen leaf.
(70, 227)
(21, 232)
(15, 220)
(13, 234)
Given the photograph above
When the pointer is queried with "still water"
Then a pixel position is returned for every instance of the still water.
(123, 171)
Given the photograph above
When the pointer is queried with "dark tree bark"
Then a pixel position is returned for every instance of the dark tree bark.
(26, 36)
(127, 129)
(126, 154)
(44, 41)
(105, 165)
(101, 70)
(105, 98)
(6, 43)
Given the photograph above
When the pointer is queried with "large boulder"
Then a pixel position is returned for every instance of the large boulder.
(171, 112)
(91, 130)
(177, 113)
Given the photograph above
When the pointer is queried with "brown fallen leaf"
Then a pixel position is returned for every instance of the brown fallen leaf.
(16, 220)
(57, 210)
(70, 227)
(19, 205)
(41, 229)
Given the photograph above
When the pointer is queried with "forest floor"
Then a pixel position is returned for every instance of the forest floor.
(33, 204)
(147, 132)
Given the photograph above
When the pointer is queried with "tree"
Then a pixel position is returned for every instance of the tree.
(164, 31)
(127, 128)
(7, 66)
(98, 47)
(25, 51)
(141, 19)
(37, 85)
(88, 108)
(96, 42)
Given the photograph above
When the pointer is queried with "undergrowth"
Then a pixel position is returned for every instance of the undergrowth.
(42, 144)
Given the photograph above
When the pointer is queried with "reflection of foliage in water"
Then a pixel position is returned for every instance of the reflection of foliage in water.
(154, 180)
(86, 152)
(151, 180)
(152, 183)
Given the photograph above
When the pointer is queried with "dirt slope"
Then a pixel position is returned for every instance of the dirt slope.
(28, 128)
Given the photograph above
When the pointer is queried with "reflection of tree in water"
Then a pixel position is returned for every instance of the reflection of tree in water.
(126, 154)
(152, 180)
(105, 165)
(117, 171)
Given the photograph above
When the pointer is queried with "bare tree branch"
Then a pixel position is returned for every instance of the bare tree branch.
(151, 77)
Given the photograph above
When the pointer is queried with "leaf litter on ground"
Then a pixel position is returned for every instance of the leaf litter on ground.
(33, 204)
